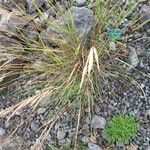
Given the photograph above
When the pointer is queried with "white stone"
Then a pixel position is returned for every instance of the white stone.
(61, 135)
(98, 122)
(2, 132)
(112, 46)
(41, 111)
(134, 60)
(80, 2)
(85, 139)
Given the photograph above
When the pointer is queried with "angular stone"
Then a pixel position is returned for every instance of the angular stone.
(93, 146)
(11, 3)
(98, 122)
(6, 41)
(145, 9)
(31, 7)
(83, 23)
(2, 132)
(7, 124)
(41, 111)
(83, 20)
(79, 3)
(61, 135)
(34, 126)
(15, 22)
(112, 46)
(145, 12)
(85, 139)
(10, 21)
(145, 18)
(133, 58)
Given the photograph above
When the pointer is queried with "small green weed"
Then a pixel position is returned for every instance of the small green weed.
(120, 128)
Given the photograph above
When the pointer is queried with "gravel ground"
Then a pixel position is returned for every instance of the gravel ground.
(118, 95)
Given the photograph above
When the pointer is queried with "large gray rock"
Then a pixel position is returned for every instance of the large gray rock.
(98, 122)
(83, 22)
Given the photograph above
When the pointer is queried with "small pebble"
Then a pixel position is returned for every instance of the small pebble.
(41, 111)
(98, 122)
(85, 139)
(80, 3)
(61, 135)
(112, 46)
(2, 132)
(34, 126)
(93, 146)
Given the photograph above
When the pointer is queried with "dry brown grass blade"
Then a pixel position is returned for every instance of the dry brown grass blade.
(73, 71)
(35, 104)
(89, 64)
(30, 101)
(39, 142)
(6, 63)
(78, 125)
(83, 75)
(96, 57)
(10, 136)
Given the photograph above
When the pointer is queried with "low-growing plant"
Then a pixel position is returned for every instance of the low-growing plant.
(121, 128)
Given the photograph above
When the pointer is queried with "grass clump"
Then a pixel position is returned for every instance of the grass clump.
(121, 128)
